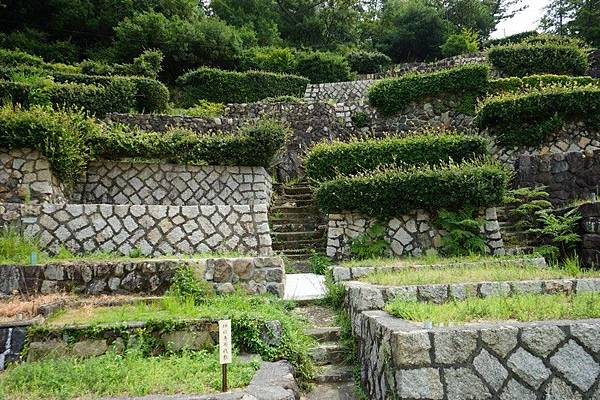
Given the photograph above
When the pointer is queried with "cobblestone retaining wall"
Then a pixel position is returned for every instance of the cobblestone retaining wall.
(25, 175)
(112, 182)
(590, 234)
(310, 123)
(153, 229)
(408, 235)
(255, 275)
(550, 360)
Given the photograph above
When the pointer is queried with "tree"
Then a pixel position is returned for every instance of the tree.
(586, 21)
(260, 16)
(475, 15)
(410, 30)
(557, 14)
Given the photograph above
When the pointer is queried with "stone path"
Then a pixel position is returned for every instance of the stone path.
(304, 287)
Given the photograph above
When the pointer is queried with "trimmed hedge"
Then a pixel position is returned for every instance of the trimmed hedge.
(221, 86)
(15, 58)
(253, 145)
(368, 62)
(396, 192)
(528, 59)
(322, 67)
(515, 84)
(59, 135)
(327, 160)
(148, 65)
(527, 119)
(391, 96)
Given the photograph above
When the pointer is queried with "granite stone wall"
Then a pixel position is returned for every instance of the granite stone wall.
(507, 361)
(411, 234)
(310, 124)
(589, 228)
(123, 182)
(255, 275)
(153, 229)
(26, 176)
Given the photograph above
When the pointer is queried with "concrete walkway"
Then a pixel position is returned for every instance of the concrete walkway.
(304, 287)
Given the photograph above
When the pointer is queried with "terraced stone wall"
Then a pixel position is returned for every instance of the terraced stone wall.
(410, 234)
(153, 229)
(590, 235)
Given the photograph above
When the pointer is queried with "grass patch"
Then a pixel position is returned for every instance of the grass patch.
(493, 273)
(130, 374)
(530, 307)
(431, 259)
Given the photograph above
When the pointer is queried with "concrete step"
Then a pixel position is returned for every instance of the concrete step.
(316, 244)
(288, 209)
(328, 353)
(331, 391)
(298, 227)
(300, 264)
(294, 218)
(335, 373)
(296, 189)
(325, 333)
(294, 197)
(295, 236)
(279, 202)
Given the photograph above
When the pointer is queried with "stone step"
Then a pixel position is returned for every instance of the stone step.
(331, 391)
(296, 236)
(295, 218)
(328, 353)
(517, 250)
(316, 244)
(298, 227)
(294, 197)
(296, 189)
(279, 202)
(300, 265)
(307, 210)
(325, 333)
(335, 373)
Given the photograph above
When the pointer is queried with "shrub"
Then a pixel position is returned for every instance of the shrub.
(238, 87)
(526, 119)
(391, 96)
(463, 229)
(148, 65)
(395, 192)
(464, 42)
(15, 58)
(370, 244)
(321, 67)
(368, 62)
(328, 160)
(272, 59)
(527, 83)
(360, 119)
(516, 38)
(525, 59)
(58, 135)
(253, 145)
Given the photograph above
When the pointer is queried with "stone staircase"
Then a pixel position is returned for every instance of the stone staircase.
(514, 240)
(297, 226)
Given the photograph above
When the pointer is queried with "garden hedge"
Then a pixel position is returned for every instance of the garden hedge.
(58, 135)
(395, 192)
(327, 160)
(221, 86)
(323, 67)
(391, 96)
(528, 59)
(253, 145)
(368, 62)
(526, 119)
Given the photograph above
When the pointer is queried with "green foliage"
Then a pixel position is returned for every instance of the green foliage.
(463, 232)
(328, 160)
(391, 96)
(368, 62)
(528, 59)
(395, 192)
(319, 263)
(36, 42)
(16, 58)
(360, 119)
(272, 59)
(58, 135)
(148, 64)
(14, 248)
(185, 285)
(526, 119)
(559, 230)
(321, 67)
(253, 145)
(464, 42)
(336, 292)
(371, 244)
(237, 87)
(203, 109)
(523, 205)
(516, 38)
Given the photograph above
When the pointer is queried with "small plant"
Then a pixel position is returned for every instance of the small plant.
(185, 285)
(523, 206)
(467, 41)
(463, 235)
(336, 293)
(136, 252)
(559, 231)
(371, 244)
(360, 119)
(319, 263)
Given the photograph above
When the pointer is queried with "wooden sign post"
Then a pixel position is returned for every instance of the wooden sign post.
(225, 350)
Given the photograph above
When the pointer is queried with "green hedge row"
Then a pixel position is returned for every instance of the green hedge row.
(526, 83)
(221, 86)
(327, 160)
(148, 65)
(391, 96)
(528, 59)
(528, 118)
(368, 62)
(59, 135)
(396, 192)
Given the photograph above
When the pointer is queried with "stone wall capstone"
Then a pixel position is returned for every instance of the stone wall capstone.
(153, 229)
(411, 234)
(26, 176)
(123, 182)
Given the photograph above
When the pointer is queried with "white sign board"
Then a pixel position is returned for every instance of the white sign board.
(225, 341)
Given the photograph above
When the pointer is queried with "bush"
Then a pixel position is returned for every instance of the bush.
(391, 96)
(528, 83)
(58, 135)
(395, 192)
(464, 42)
(16, 58)
(526, 119)
(148, 65)
(238, 87)
(327, 160)
(516, 38)
(526, 59)
(321, 67)
(271, 59)
(254, 145)
(368, 62)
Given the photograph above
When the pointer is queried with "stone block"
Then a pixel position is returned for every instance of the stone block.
(48, 349)
(462, 383)
(576, 365)
(180, 340)
(543, 339)
(588, 334)
(89, 348)
(514, 390)
(490, 368)
(454, 346)
(560, 390)
(528, 367)
(423, 383)
(410, 349)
